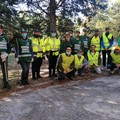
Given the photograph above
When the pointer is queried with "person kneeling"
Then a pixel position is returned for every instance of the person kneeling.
(93, 58)
(115, 64)
(65, 65)
(80, 63)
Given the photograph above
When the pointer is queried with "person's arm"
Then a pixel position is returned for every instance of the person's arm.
(31, 48)
(111, 42)
(59, 66)
(72, 65)
(85, 62)
(102, 43)
(61, 47)
(8, 45)
(16, 48)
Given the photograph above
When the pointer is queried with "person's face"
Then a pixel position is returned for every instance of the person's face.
(78, 33)
(80, 53)
(107, 31)
(68, 49)
(53, 34)
(96, 33)
(37, 33)
(68, 36)
(1, 30)
(92, 48)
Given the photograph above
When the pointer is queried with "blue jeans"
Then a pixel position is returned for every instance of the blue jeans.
(25, 71)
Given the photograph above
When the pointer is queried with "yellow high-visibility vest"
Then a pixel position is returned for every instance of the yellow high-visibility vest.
(66, 60)
(93, 59)
(116, 58)
(96, 41)
(78, 61)
(52, 45)
(38, 46)
(106, 40)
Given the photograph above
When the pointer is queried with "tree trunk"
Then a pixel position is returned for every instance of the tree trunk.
(52, 15)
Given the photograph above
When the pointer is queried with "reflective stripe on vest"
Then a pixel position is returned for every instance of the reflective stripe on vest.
(106, 40)
(116, 58)
(66, 60)
(3, 45)
(96, 41)
(26, 55)
(93, 59)
(78, 61)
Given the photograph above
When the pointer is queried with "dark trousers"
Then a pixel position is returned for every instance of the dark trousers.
(25, 71)
(112, 66)
(36, 65)
(4, 68)
(80, 70)
(52, 64)
(104, 57)
(62, 75)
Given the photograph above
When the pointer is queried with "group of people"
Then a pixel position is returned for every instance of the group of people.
(71, 54)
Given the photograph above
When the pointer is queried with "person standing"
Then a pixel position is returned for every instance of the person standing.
(107, 41)
(86, 42)
(78, 43)
(65, 64)
(52, 45)
(96, 40)
(24, 55)
(68, 42)
(38, 46)
(4, 52)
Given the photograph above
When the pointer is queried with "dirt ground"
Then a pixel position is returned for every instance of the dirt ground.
(14, 72)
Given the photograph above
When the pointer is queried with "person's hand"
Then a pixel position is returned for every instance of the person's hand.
(65, 71)
(106, 49)
(118, 65)
(16, 60)
(81, 66)
(32, 60)
(68, 70)
(4, 56)
(88, 66)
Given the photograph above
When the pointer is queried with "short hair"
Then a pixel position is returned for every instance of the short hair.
(1, 27)
(69, 47)
(93, 46)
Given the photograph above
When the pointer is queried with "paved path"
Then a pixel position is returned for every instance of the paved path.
(93, 100)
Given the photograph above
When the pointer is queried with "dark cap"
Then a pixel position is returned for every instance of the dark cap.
(53, 31)
(1, 27)
(107, 28)
(67, 33)
(37, 30)
(96, 30)
(23, 30)
(80, 50)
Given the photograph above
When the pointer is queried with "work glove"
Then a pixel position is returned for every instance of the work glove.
(4, 56)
